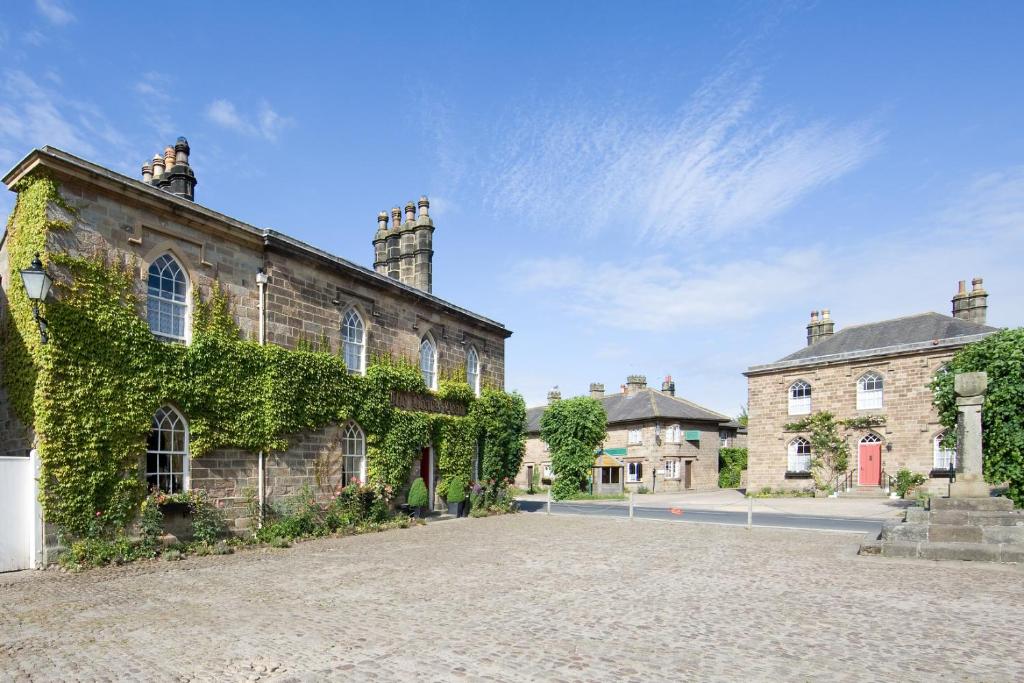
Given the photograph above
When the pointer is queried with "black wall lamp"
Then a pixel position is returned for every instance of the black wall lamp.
(37, 286)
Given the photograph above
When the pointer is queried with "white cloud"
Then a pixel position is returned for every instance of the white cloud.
(655, 296)
(717, 167)
(154, 92)
(266, 123)
(55, 12)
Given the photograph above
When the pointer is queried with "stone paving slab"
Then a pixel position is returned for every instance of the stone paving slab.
(524, 598)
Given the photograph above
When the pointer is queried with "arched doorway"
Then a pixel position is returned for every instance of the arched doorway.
(869, 460)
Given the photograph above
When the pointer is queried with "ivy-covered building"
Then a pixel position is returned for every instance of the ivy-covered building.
(190, 350)
(876, 378)
(664, 442)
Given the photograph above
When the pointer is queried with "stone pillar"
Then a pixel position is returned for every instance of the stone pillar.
(970, 395)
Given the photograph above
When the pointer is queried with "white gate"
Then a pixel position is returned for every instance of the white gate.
(18, 519)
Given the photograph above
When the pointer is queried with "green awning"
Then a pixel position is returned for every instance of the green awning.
(692, 435)
(616, 452)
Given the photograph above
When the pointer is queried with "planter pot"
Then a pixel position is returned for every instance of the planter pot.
(453, 509)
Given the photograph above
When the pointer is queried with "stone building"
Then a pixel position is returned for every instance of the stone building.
(282, 291)
(664, 442)
(878, 369)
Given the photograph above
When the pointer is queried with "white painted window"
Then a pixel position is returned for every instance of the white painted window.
(799, 455)
(428, 362)
(723, 438)
(635, 437)
(634, 472)
(547, 472)
(869, 391)
(799, 398)
(353, 342)
(167, 299)
(942, 457)
(167, 466)
(353, 454)
(673, 434)
(671, 469)
(473, 370)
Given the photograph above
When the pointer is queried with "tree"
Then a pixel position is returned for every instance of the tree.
(830, 450)
(743, 418)
(1001, 355)
(501, 419)
(572, 429)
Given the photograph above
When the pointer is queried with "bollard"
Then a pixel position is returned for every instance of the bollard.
(631, 505)
(548, 510)
(750, 512)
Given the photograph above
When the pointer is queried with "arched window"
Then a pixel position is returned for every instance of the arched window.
(428, 362)
(473, 370)
(869, 391)
(353, 342)
(799, 398)
(353, 454)
(942, 457)
(871, 437)
(799, 455)
(167, 300)
(167, 452)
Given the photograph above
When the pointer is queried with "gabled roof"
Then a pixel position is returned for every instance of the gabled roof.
(646, 404)
(921, 331)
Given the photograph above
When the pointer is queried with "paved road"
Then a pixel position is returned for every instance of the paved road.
(763, 519)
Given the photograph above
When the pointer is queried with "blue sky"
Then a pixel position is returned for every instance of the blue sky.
(645, 188)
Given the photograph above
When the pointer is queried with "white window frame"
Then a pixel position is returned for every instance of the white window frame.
(546, 471)
(800, 398)
(870, 391)
(635, 436)
(473, 369)
(353, 337)
(353, 454)
(634, 472)
(673, 434)
(429, 373)
(672, 468)
(159, 302)
(169, 416)
(799, 455)
(942, 457)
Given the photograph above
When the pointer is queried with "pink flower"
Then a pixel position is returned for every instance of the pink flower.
(99, 513)
(220, 503)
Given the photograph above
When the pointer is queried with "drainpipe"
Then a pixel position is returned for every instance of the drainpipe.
(261, 474)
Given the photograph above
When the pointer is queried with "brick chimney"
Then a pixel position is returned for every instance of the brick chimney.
(668, 386)
(971, 306)
(596, 390)
(405, 250)
(554, 395)
(634, 383)
(171, 171)
(820, 328)
(812, 329)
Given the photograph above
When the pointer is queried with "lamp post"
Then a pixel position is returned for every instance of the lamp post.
(37, 285)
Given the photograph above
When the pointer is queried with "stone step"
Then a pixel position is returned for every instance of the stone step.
(974, 517)
(864, 492)
(949, 533)
(990, 504)
(978, 552)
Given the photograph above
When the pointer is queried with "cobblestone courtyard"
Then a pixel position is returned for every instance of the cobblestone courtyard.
(525, 597)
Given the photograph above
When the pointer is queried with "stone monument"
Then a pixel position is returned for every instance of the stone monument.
(970, 395)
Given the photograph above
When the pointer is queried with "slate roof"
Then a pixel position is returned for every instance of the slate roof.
(923, 330)
(647, 404)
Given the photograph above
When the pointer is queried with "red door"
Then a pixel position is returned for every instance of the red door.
(870, 464)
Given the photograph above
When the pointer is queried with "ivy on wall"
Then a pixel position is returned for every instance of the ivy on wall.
(90, 393)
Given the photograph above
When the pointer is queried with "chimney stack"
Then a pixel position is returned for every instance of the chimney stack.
(971, 306)
(668, 386)
(634, 383)
(826, 327)
(171, 171)
(405, 252)
(554, 395)
(596, 390)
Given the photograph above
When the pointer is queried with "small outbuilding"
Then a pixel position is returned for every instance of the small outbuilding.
(608, 476)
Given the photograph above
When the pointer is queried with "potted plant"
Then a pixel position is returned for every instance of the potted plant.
(456, 497)
(419, 497)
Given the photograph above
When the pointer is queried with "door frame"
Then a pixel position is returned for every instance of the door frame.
(860, 467)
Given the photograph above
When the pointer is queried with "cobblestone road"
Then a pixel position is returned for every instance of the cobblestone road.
(524, 598)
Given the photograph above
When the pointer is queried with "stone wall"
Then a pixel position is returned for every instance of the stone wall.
(911, 421)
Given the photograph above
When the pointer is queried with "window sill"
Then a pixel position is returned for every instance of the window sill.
(798, 475)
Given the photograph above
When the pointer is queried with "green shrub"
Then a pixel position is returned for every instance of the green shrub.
(641, 489)
(906, 480)
(280, 542)
(419, 497)
(172, 555)
(97, 552)
(573, 428)
(731, 463)
(456, 490)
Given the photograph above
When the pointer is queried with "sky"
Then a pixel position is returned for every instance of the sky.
(632, 188)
